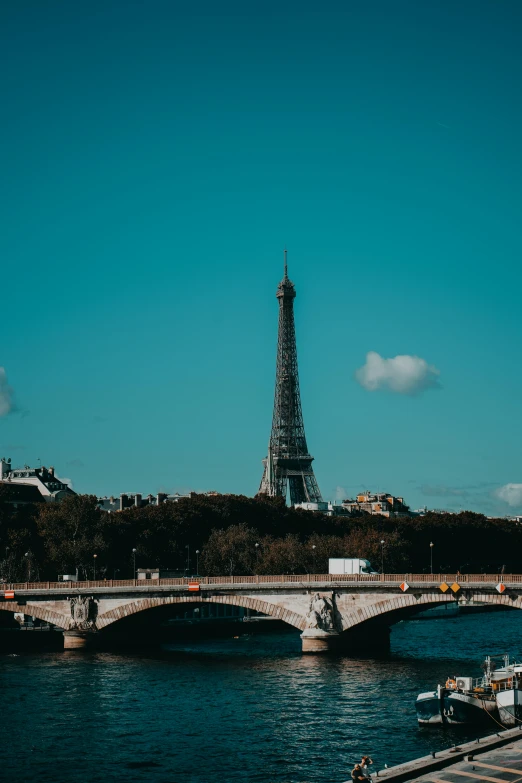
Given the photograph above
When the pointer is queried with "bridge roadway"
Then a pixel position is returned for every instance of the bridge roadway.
(325, 608)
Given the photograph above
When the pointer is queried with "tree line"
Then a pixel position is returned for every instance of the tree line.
(234, 534)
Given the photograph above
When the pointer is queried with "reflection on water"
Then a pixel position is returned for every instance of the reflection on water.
(246, 709)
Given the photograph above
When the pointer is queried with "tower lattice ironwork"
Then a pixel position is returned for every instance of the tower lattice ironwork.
(288, 462)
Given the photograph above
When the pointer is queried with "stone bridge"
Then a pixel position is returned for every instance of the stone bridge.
(325, 608)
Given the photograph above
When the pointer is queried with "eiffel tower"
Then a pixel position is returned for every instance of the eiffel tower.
(288, 461)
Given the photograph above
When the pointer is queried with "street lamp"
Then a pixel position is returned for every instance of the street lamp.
(134, 563)
(5, 565)
(382, 556)
(197, 562)
(94, 561)
(313, 554)
(431, 555)
(187, 547)
(28, 556)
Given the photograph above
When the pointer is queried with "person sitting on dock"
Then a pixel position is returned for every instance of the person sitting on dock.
(358, 775)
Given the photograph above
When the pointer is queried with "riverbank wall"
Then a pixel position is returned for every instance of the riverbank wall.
(441, 759)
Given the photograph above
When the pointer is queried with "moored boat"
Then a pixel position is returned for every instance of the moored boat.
(508, 695)
(429, 707)
(465, 700)
(469, 703)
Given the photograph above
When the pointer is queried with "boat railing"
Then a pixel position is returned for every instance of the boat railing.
(480, 683)
(512, 682)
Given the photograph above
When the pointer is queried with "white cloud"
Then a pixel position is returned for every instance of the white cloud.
(340, 493)
(6, 394)
(402, 374)
(510, 494)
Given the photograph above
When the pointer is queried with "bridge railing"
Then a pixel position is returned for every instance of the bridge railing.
(279, 579)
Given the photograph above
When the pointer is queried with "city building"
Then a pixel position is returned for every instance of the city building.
(378, 503)
(20, 494)
(135, 499)
(325, 507)
(29, 485)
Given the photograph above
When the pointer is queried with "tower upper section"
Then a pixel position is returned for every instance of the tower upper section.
(285, 289)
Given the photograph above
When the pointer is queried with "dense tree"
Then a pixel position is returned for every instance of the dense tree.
(73, 531)
(18, 536)
(231, 550)
(50, 538)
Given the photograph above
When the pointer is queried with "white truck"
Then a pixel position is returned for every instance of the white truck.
(350, 565)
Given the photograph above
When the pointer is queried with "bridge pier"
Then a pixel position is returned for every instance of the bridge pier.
(315, 640)
(374, 639)
(77, 640)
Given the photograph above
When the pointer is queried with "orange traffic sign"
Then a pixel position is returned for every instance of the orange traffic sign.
(455, 587)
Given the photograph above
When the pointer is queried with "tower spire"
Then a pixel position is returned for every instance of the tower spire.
(288, 464)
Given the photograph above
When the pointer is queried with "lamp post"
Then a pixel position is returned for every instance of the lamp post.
(94, 564)
(313, 554)
(134, 563)
(382, 556)
(5, 576)
(257, 557)
(187, 547)
(28, 556)
(431, 556)
(197, 562)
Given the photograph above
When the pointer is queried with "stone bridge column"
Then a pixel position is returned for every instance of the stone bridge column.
(77, 640)
(323, 624)
(82, 625)
(314, 640)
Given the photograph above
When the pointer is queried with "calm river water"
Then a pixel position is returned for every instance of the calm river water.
(247, 709)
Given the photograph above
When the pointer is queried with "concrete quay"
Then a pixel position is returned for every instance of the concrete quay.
(496, 758)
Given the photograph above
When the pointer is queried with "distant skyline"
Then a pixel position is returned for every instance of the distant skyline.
(156, 160)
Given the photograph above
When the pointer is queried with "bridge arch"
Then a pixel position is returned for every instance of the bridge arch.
(142, 604)
(42, 612)
(400, 606)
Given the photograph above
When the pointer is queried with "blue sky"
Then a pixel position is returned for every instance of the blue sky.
(156, 159)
